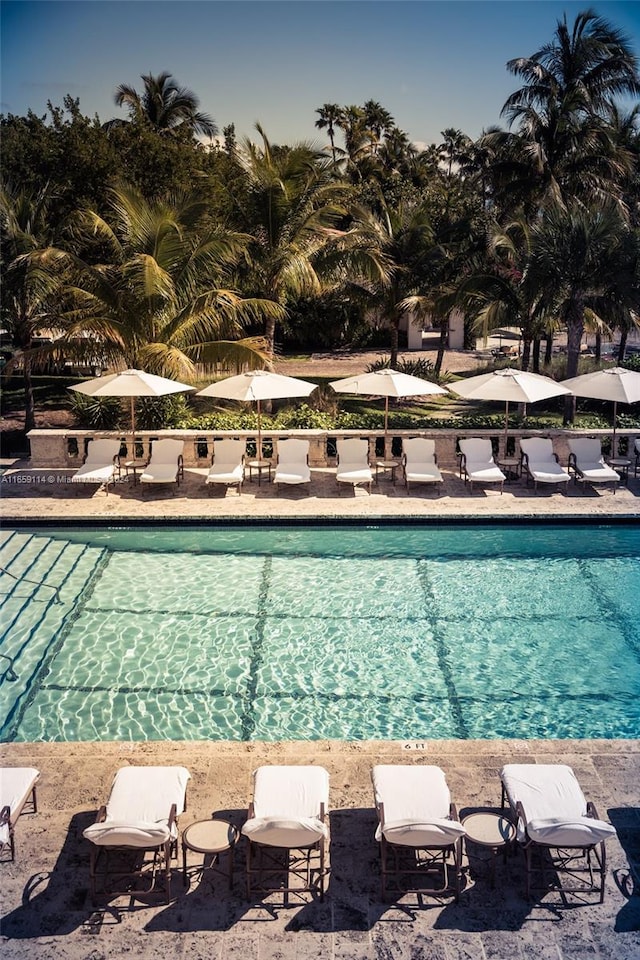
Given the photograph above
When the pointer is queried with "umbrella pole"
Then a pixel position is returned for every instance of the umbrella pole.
(259, 447)
(613, 440)
(506, 426)
(386, 426)
(133, 428)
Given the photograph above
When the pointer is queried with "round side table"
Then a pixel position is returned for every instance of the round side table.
(212, 838)
(492, 830)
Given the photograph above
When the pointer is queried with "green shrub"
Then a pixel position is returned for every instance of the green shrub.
(96, 413)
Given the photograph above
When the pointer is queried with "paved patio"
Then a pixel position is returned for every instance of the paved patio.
(46, 908)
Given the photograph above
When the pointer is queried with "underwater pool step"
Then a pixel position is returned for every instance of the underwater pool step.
(35, 615)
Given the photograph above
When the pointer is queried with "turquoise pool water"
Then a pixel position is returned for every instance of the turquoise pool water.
(312, 632)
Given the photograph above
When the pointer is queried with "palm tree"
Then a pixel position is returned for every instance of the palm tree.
(561, 110)
(378, 121)
(30, 293)
(167, 107)
(293, 209)
(402, 248)
(159, 302)
(330, 115)
(574, 254)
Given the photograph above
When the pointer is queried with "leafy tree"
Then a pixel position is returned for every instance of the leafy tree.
(158, 300)
(561, 109)
(167, 107)
(329, 116)
(575, 250)
(291, 206)
(30, 293)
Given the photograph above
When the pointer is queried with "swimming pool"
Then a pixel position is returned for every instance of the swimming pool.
(295, 632)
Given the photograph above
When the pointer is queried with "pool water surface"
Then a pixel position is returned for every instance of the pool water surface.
(320, 632)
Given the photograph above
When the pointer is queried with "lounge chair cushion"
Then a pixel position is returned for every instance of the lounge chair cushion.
(479, 463)
(302, 832)
(228, 462)
(553, 803)
(578, 832)
(590, 462)
(16, 784)
(410, 833)
(287, 804)
(99, 465)
(416, 803)
(164, 463)
(225, 473)
(353, 461)
(139, 805)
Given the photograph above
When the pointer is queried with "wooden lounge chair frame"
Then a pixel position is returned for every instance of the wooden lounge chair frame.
(305, 867)
(399, 862)
(586, 867)
(29, 804)
(286, 870)
(179, 475)
(115, 870)
(109, 878)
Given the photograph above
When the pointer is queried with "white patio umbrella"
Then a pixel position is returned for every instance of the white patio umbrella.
(510, 385)
(256, 386)
(615, 383)
(132, 384)
(386, 383)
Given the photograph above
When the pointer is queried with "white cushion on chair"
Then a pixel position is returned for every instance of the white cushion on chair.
(436, 833)
(16, 783)
(139, 806)
(287, 803)
(578, 832)
(551, 797)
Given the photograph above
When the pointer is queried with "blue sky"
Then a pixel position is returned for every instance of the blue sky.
(432, 64)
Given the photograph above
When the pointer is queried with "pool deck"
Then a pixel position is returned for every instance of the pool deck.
(47, 911)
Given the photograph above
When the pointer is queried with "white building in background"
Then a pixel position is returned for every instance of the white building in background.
(418, 329)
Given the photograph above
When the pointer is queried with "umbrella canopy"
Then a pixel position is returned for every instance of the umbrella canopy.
(615, 383)
(258, 385)
(512, 386)
(130, 383)
(387, 383)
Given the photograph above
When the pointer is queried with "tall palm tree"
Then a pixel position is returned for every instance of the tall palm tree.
(30, 300)
(573, 257)
(165, 105)
(292, 211)
(159, 299)
(329, 117)
(561, 109)
(401, 244)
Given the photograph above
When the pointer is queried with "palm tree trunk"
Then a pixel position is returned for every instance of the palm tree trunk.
(575, 330)
(393, 358)
(526, 354)
(442, 346)
(622, 349)
(598, 347)
(548, 349)
(270, 337)
(29, 402)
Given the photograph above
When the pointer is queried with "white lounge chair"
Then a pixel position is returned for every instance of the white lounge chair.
(540, 463)
(286, 831)
(419, 461)
(141, 815)
(101, 464)
(227, 465)
(165, 463)
(477, 464)
(17, 791)
(587, 463)
(418, 828)
(353, 462)
(555, 820)
(293, 462)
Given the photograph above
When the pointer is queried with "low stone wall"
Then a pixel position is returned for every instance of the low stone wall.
(60, 449)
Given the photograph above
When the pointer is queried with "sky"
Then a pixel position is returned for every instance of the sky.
(432, 64)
